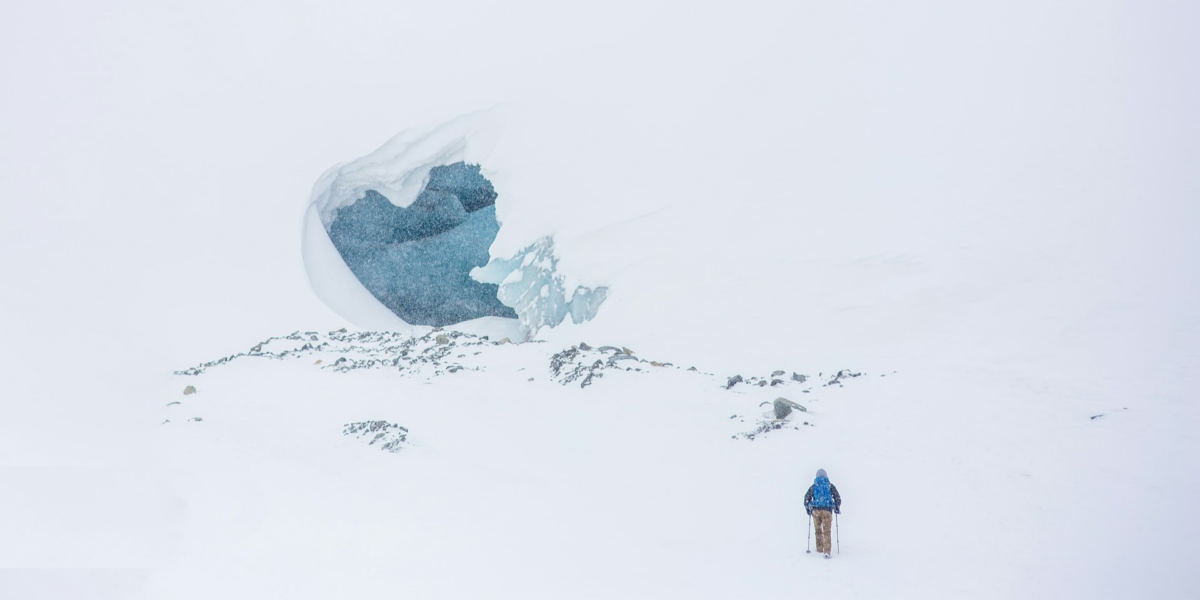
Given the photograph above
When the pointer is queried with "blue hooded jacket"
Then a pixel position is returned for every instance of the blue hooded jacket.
(822, 495)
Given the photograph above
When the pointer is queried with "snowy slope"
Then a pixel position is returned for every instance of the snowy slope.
(993, 205)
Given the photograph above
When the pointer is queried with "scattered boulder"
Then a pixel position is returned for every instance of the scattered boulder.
(799, 378)
(584, 346)
(442, 340)
(783, 408)
(736, 379)
(762, 383)
(777, 374)
(189, 390)
(775, 382)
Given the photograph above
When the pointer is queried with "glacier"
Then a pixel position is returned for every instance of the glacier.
(403, 237)
(531, 284)
(417, 260)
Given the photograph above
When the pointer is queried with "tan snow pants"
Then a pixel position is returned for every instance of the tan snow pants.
(823, 523)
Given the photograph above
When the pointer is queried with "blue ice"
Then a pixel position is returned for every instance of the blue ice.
(417, 260)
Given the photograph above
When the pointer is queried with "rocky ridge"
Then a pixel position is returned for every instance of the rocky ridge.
(442, 352)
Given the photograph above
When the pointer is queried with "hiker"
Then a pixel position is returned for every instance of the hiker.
(821, 501)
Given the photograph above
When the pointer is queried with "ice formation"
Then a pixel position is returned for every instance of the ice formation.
(402, 237)
(417, 260)
(531, 284)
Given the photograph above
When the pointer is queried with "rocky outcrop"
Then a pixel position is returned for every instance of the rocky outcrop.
(389, 436)
(586, 364)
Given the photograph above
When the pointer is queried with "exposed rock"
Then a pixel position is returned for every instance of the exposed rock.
(763, 427)
(762, 383)
(442, 340)
(775, 382)
(584, 364)
(783, 407)
(843, 374)
(799, 378)
(777, 374)
(736, 379)
(391, 437)
(189, 390)
(584, 346)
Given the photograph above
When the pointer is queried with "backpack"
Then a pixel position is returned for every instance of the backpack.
(822, 496)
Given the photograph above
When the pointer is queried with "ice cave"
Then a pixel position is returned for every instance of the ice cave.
(403, 236)
(417, 260)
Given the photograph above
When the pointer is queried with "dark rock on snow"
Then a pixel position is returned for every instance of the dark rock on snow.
(783, 407)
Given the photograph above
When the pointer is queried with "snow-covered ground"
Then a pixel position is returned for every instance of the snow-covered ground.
(987, 210)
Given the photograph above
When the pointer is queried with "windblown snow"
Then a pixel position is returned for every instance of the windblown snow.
(944, 251)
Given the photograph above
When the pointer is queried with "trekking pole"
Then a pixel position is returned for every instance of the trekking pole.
(839, 532)
(808, 540)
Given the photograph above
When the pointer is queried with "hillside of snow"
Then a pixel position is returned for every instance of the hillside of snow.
(961, 237)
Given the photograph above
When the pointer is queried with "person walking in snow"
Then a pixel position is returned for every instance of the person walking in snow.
(821, 501)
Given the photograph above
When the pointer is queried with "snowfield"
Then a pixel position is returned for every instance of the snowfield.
(986, 211)
(957, 482)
